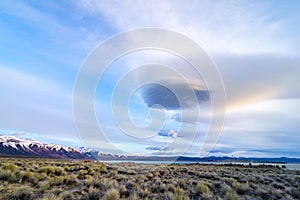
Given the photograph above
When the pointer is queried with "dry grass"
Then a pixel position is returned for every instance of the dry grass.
(65, 179)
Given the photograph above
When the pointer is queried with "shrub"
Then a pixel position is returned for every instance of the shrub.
(82, 173)
(122, 189)
(24, 192)
(89, 181)
(93, 194)
(112, 194)
(133, 196)
(10, 166)
(71, 180)
(243, 188)
(13, 178)
(40, 176)
(56, 181)
(27, 176)
(67, 195)
(169, 195)
(202, 188)
(162, 188)
(171, 187)
(295, 192)
(262, 193)
(43, 186)
(59, 171)
(130, 185)
(91, 171)
(144, 192)
(231, 195)
(51, 197)
(149, 175)
(181, 183)
(48, 170)
(57, 191)
(67, 168)
(178, 193)
(103, 169)
(4, 175)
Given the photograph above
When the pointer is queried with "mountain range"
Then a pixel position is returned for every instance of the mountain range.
(13, 146)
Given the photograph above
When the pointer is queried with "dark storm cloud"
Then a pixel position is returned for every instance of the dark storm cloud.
(157, 94)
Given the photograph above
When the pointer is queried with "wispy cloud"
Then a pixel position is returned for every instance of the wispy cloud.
(161, 149)
(237, 26)
(18, 134)
(33, 104)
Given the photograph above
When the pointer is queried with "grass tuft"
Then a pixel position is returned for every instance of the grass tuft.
(112, 194)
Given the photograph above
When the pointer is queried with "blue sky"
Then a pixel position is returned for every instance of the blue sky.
(254, 44)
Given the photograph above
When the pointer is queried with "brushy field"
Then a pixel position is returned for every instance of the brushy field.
(67, 179)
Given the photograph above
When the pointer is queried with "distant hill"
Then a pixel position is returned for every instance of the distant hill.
(241, 159)
(107, 157)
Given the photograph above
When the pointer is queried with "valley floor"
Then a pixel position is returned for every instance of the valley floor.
(66, 179)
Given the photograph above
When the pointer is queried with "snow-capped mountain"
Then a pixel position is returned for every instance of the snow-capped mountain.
(12, 146)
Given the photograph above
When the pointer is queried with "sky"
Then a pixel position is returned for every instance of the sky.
(253, 44)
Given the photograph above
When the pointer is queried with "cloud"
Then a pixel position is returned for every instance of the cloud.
(157, 94)
(168, 133)
(33, 104)
(239, 27)
(18, 134)
(258, 142)
(65, 47)
(254, 78)
(159, 149)
(277, 115)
